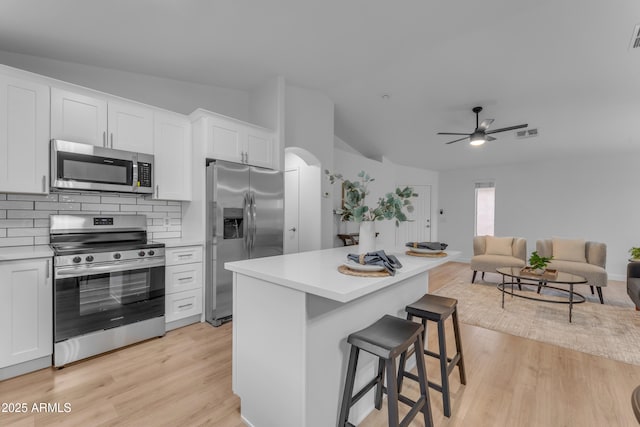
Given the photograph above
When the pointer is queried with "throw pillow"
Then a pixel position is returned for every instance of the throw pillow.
(569, 250)
(499, 245)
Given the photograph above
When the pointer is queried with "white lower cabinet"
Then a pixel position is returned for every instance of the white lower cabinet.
(26, 318)
(183, 286)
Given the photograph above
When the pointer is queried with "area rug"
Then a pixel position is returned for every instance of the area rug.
(611, 330)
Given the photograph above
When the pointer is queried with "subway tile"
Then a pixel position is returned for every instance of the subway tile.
(3, 232)
(167, 209)
(150, 201)
(174, 203)
(16, 223)
(29, 214)
(24, 232)
(166, 235)
(175, 221)
(16, 205)
(155, 228)
(100, 207)
(155, 221)
(79, 198)
(41, 206)
(116, 213)
(173, 228)
(135, 208)
(156, 214)
(33, 197)
(3, 197)
(41, 240)
(119, 200)
(16, 241)
(3, 214)
(90, 212)
(39, 223)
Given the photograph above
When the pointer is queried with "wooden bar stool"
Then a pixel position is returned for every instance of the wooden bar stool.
(437, 309)
(387, 338)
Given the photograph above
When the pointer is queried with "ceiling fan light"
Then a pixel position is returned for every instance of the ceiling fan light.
(477, 138)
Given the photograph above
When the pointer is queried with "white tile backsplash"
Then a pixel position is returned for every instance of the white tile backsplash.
(24, 218)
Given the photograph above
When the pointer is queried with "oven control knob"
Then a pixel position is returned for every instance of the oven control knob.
(117, 256)
(77, 259)
(141, 253)
(152, 253)
(89, 258)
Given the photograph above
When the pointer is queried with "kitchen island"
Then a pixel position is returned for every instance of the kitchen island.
(291, 318)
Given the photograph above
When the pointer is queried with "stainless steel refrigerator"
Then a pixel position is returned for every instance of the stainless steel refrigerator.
(245, 219)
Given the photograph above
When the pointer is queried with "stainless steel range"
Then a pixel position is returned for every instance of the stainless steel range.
(109, 284)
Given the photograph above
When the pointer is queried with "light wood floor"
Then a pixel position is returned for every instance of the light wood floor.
(184, 379)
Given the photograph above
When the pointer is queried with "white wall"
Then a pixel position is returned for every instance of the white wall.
(309, 203)
(309, 125)
(388, 176)
(592, 198)
(174, 95)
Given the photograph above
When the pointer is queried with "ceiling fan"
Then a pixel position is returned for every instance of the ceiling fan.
(481, 135)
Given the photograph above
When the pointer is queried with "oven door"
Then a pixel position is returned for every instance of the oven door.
(95, 297)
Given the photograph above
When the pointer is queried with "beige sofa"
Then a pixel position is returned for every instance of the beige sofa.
(583, 258)
(490, 253)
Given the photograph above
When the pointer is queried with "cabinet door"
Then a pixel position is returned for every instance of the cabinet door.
(259, 148)
(24, 136)
(172, 151)
(26, 319)
(130, 127)
(78, 118)
(225, 141)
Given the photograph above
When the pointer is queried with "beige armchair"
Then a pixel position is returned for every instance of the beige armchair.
(583, 258)
(490, 253)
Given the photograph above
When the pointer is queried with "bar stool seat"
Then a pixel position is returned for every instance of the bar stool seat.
(437, 308)
(387, 338)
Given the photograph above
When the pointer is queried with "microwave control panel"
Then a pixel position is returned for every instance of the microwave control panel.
(144, 174)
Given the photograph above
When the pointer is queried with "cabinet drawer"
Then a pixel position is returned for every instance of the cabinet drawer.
(183, 304)
(183, 255)
(183, 277)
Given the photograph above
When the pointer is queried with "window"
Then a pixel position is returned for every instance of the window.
(485, 208)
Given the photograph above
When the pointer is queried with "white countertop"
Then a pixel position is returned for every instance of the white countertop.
(176, 243)
(12, 253)
(316, 272)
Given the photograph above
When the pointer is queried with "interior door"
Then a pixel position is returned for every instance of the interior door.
(291, 211)
(267, 212)
(418, 228)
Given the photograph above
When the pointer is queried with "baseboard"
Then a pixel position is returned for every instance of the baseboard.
(25, 367)
(182, 322)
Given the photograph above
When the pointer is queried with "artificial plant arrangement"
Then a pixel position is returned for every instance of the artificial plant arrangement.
(354, 208)
(538, 262)
(635, 253)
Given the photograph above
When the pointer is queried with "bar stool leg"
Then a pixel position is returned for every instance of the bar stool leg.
(348, 386)
(446, 401)
(378, 399)
(392, 393)
(456, 334)
(422, 375)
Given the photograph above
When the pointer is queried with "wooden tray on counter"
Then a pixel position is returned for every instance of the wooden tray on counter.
(346, 270)
(439, 255)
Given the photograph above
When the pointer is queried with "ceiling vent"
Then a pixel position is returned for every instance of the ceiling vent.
(527, 133)
(635, 38)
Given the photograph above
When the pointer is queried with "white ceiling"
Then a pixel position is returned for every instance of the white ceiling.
(563, 67)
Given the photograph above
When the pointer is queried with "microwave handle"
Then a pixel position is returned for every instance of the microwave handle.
(135, 173)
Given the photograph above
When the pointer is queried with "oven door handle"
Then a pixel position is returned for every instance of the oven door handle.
(112, 267)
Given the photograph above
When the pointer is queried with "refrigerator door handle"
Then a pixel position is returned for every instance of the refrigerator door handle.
(254, 227)
(246, 212)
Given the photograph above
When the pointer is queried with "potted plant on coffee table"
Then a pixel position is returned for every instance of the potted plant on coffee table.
(537, 263)
(635, 254)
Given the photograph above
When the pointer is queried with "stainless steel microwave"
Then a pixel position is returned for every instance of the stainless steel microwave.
(76, 166)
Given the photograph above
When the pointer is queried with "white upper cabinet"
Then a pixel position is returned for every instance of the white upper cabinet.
(24, 136)
(172, 151)
(93, 120)
(240, 142)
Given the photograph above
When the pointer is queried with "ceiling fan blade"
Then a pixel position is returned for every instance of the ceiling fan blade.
(484, 125)
(490, 138)
(461, 139)
(452, 133)
(508, 128)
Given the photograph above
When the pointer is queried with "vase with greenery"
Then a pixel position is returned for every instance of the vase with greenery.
(539, 263)
(635, 253)
(354, 206)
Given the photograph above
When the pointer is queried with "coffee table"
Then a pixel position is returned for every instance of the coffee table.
(518, 278)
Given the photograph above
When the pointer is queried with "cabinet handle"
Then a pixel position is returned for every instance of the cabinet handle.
(104, 139)
(185, 305)
(111, 139)
(48, 269)
(185, 255)
(44, 183)
(185, 278)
